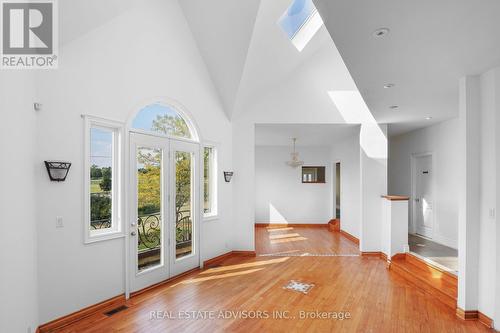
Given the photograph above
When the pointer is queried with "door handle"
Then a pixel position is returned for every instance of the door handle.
(133, 233)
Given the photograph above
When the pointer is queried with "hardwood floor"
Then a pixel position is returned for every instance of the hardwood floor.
(376, 299)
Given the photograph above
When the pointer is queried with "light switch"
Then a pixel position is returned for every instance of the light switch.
(59, 222)
(492, 213)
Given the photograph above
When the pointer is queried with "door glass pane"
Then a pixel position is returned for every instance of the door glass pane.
(183, 204)
(149, 208)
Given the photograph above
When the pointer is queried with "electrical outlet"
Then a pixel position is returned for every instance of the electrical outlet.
(59, 222)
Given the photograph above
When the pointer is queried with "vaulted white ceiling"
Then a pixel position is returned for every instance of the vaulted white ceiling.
(431, 44)
(223, 31)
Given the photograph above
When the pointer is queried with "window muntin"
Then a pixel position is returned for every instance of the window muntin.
(102, 179)
(300, 22)
(209, 181)
(162, 119)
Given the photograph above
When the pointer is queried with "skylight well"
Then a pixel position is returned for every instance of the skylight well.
(300, 22)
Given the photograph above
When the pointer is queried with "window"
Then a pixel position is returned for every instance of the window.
(313, 174)
(164, 120)
(209, 182)
(300, 22)
(102, 179)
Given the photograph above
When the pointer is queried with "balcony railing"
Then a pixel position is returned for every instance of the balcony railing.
(149, 236)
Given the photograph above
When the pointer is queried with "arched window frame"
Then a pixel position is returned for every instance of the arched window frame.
(175, 106)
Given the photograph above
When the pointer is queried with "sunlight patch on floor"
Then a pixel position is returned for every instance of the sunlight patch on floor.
(288, 240)
(284, 236)
(247, 265)
(217, 277)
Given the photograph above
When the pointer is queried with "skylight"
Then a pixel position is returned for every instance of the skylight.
(300, 22)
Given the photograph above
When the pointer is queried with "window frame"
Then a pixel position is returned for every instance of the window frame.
(214, 183)
(318, 168)
(117, 229)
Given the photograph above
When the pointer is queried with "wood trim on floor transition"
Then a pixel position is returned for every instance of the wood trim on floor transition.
(305, 225)
(114, 302)
(475, 315)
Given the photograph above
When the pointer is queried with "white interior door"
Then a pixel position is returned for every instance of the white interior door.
(164, 209)
(423, 201)
(184, 175)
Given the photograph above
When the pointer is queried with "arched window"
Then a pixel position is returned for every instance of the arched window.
(163, 119)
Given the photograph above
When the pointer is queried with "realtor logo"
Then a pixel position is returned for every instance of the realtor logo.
(29, 34)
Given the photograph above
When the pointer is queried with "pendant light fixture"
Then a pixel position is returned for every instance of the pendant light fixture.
(294, 157)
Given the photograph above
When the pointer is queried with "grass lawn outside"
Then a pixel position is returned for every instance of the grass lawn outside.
(94, 185)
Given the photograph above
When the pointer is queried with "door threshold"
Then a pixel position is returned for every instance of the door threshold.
(434, 263)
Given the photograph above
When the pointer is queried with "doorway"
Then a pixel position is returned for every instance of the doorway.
(337, 190)
(164, 175)
(423, 195)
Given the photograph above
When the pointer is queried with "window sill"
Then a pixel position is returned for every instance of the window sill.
(210, 217)
(104, 237)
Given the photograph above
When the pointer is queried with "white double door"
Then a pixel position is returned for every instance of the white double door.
(164, 209)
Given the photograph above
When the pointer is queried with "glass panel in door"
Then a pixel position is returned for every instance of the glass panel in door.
(183, 203)
(149, 208)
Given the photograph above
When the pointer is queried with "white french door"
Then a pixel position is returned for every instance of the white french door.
(164, 209)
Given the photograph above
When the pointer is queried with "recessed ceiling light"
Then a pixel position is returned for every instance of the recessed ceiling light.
(428, 118)
(381, 32)
(394, 107)
(389, 85)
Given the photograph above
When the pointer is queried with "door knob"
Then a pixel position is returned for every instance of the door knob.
(133, 233)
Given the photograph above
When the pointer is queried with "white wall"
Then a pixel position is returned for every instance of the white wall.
(442, 140)
(280, 195)
(490, 96)
(111, 72)
(18, 220)
(347, 152)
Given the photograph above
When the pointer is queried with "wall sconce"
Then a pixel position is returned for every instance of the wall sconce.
(228, 175)
(57, 170)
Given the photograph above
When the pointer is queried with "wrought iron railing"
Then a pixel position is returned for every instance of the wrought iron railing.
(149, 230)
(183, 229)
(100, 224)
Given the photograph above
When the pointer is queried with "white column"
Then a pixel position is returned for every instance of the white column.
(468, 216)
(373, 182)
(243, 186)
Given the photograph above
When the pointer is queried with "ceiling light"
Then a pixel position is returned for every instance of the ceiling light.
(389, 85)
(294, 160)
(428, 118)
(394, 107)
(381, 32)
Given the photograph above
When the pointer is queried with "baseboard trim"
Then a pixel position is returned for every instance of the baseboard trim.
(376, 254)
(485, 320)
(80, 314)
(217, 259)
(474, 315)
(304, 225)
(120, 299)
(244, 253)
(352, 238)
